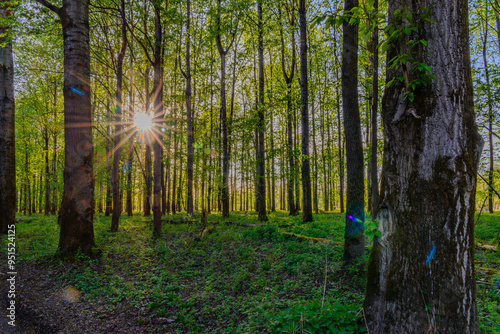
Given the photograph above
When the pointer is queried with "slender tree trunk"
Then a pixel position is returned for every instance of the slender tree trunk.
(131, 145)
(304, 110)
(354, 248)
(77, 207)
(158, 112)
(490, 117)
(149, 160)
(224, 120)
(47, 172)
(7, 126)
(174, 176)
(421, 269)
(260, 190)
(118, 128)
(189, 121)
(290, 147)
(54, 155)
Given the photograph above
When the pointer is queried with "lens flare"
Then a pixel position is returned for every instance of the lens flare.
(143, 121)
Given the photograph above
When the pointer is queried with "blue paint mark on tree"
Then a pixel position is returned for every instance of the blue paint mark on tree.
(76, 90)
(431, 254)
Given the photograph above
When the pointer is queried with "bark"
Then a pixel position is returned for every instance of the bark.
(354, 249)
(115, 178)
(261, 162)
(422, 266)
(304, 111)
(374, 112)
(7, 128)
(77, 207)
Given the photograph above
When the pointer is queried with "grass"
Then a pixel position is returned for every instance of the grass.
(235, 280)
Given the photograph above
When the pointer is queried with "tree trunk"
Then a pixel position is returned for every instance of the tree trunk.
(7, 127)
(289, 79)
(223, 117)
(148, 158)
(421, 269)
(304, 110)
(189, 121)
(77, 207)
(158, 118)
(54, 155)
(374, 112)
(47, 171)
(354, 248)
(115, 178)
(490, 117)
(261, 162)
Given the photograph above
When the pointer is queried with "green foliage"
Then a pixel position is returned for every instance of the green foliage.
(404, 26)
(314, 317)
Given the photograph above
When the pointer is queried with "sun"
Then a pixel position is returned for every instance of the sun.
(143, 121)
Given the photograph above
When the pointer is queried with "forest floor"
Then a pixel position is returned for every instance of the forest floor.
(236, 279)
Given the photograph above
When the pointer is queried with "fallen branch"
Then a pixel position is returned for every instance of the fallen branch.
(303, 237)
(177, 222)
(487, 271)
(490, 248)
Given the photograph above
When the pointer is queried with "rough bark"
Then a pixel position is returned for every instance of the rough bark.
(304, 113)
(7, 128)
(374, 112)
(77, 207)
(421, 270)
(354, 249)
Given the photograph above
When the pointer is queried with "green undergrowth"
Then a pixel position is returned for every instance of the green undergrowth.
(236, 279)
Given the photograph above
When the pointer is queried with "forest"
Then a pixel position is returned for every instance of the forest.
(250, 166)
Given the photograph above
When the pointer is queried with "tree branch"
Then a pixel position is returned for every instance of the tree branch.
(50, 6)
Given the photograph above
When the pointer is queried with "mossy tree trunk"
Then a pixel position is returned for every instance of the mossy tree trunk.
(421, 269)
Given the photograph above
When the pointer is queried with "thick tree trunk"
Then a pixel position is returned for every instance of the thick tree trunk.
(304, 111)
(261, 162)
(115, 180)
(374, 112)
(77, 207)
(7, 127)
(354, 249)
(421, 270)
